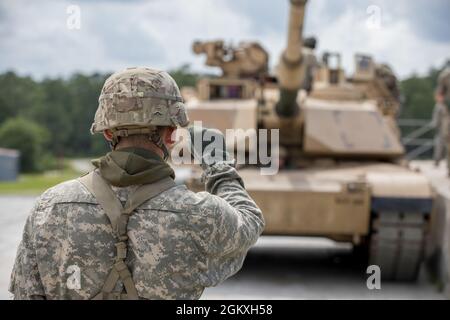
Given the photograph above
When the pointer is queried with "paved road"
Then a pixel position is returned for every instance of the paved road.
(277, 268)
(310, 268)
(13, 213)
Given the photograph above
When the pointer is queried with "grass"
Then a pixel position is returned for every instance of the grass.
(33, 184)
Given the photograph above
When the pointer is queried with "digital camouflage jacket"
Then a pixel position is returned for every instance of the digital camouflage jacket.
(179, 241)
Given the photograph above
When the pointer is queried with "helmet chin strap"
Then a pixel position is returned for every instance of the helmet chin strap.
(156, 138)
(113, 142)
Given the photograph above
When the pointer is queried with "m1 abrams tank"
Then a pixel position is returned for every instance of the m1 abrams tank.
(341, 173)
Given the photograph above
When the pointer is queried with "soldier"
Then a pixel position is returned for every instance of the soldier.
(125, 230)
(386, 74)
(309, 45)
(441, 118)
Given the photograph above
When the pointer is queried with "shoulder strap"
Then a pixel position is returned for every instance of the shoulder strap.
(142, 194)
(104, 195)
(118, 216)
(147, 191)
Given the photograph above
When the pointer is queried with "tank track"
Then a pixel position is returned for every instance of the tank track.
(397, 244)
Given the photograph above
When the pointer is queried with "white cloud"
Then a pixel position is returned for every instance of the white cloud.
(113, 35)
(395, 42)
(159, 33)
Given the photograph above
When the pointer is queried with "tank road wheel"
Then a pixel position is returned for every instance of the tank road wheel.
(397, 244)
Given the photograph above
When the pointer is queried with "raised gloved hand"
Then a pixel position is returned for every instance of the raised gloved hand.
(208, 146)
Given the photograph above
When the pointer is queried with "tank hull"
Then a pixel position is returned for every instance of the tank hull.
(336, 202)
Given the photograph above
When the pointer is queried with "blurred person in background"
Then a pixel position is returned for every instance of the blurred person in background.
(441, 118)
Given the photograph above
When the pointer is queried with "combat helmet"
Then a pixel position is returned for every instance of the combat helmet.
(138, 101)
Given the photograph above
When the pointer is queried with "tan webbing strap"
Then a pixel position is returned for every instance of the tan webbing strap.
(119, 271)
(109, 284)
(104, 195)
(127, 279)
(118, 216)
(146, 192)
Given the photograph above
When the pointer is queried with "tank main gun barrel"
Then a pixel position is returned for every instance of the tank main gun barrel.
(293, 52)
(291, 69)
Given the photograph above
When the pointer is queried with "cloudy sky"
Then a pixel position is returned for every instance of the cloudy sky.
(411, 35)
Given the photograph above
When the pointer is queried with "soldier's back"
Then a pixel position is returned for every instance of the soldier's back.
(168, 244)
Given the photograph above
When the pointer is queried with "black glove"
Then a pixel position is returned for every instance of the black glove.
(208, 146)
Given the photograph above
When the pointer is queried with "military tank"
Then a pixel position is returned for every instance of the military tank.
(341, 169)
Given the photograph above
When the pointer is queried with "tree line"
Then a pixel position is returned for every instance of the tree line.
(418, 95)
(50, 119)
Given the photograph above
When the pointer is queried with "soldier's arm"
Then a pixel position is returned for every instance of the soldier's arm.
(25, 278)
(233, 220)
(237, 222)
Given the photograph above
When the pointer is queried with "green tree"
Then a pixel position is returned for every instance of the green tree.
(418, 95)
(184, 77)
(83, 94)
(18, 95)
(54, 114)
(27, 137)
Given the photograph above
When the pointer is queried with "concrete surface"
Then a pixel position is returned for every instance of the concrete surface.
(438, 250)
(310, 268)
(13, 213)
(276, 268)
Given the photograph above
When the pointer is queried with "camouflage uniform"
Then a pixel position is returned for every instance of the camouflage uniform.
(178, 242)
(441, 118)
(311, 63)
(440, 122)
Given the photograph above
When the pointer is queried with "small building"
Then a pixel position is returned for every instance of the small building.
(9, 164)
